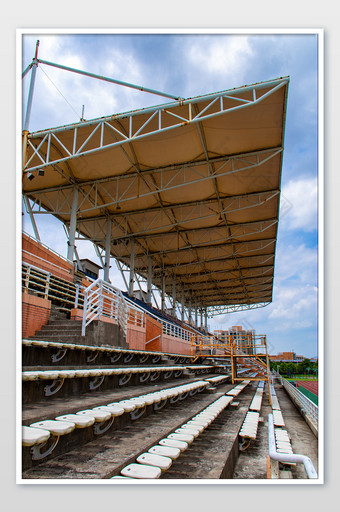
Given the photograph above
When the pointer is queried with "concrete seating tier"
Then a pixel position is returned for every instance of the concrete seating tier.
(42, 437)
(68, 353)
(159, 458)
(49, 384)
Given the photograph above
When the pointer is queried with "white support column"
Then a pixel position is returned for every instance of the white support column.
(190, 312)
(174, 297)
(206, 319)
(30, 211)
(196, 313)
(163, 293)
(182, 305)
(132, 267)
(149, 282)
(73, 225)
(201, 325)
(107, 251)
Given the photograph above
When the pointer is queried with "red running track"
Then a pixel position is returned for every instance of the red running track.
(311, 385)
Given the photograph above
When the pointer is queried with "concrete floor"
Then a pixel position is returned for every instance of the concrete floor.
(252, 463)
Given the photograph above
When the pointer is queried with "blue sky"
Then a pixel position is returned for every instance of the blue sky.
(187, 65)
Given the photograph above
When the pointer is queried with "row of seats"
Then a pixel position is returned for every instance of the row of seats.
(36, 434)
(159, 458)
(282, 440)
(32, 375)
(257, 400)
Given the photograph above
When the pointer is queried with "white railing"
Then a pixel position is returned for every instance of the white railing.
(102, 299)
(306, 405)
(287, 457)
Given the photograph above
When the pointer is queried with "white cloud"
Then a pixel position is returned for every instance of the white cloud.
(215, 55)
(295, 307)
(299, 204)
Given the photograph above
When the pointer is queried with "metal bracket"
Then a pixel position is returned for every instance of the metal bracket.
(116, 357)
(99, 429)
(159, 405)
(167, 375)
(53, 388)
(156, 359)
(193, 392)
(96, 382)
(58, 356)
(183, 396)
(178, 373)
(128, 358)
(90, 358)
(124, 379)
(36, 452)
(154, 376)
(174, 399)
(142, 359)
(137, 413)
(144, 377)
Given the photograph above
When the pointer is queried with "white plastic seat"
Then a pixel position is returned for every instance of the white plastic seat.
(187, 430)
(49, 375)
(32, 436)
(115, 409)
(128, 405)
(82, 373)
(188, 438)
(30, 375)
(66, 374)
(165, 451)
(98, 415)
(174, 443)
(79, 420)
(194, 425)
(109, 410)
(141, 471)
(151, 459)
(57, 428)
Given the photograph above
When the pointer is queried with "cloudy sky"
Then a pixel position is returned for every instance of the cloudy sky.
(191, 64)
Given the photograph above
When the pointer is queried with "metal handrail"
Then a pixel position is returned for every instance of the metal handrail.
(288, 457)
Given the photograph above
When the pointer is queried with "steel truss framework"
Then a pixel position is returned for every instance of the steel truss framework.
(192, 186)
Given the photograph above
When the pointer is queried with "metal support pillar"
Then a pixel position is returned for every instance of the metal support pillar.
(206, 320)
(107, 250)
(30, 211)
(182, 305)
(149, 282)
(163, 293)
(132, 267)
(174, 297)
(201, 318)
(196, 314)
(190, 312)
(31, 89)
(73, 224)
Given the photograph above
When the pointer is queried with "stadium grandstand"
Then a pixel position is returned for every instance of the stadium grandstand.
(117, 385)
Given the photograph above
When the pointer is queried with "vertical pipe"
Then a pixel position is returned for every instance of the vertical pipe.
(132, 267)
(163, 293)
(107, 250)
(206, 320)
(182, 305)
(190, 312)
(174, 296)
(73, 224)
(149, 281)
(31, 89)
(196, 313)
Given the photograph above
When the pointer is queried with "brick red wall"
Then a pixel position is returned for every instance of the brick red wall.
(35, 314)
(175, 345)
(135, 337)
(152, 329)
(40, 256)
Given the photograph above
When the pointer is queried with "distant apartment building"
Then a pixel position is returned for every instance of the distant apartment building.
(244, 339)
(287, 356)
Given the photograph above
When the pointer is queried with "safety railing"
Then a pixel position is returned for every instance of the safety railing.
(101, 299)
(309, 408)
(287, 457)
(44, 284)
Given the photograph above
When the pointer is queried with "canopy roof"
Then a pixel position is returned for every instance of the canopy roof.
(195, 183)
